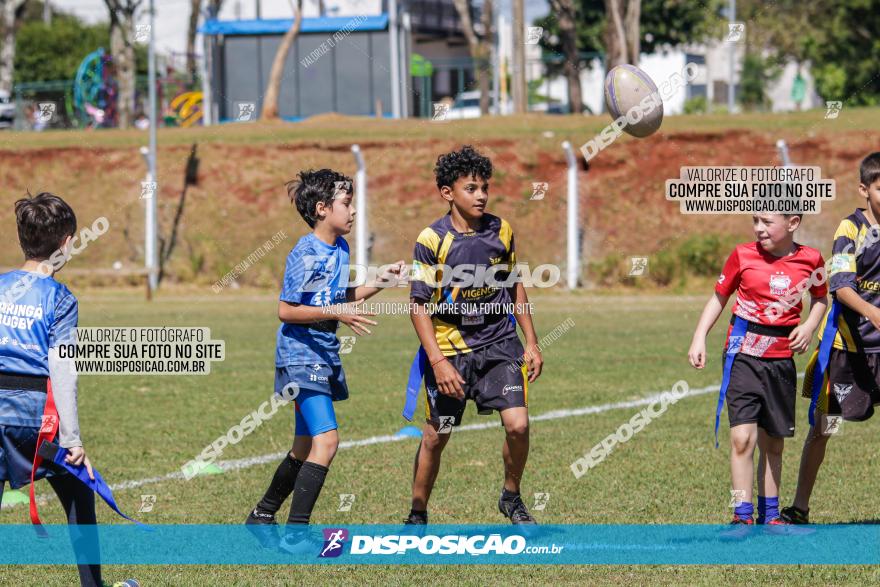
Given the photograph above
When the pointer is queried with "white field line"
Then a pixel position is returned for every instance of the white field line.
(245, 463)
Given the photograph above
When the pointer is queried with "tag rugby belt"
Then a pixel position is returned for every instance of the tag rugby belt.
(51, 451)
(734, 345)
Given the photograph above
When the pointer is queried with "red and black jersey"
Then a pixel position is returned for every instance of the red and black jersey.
(769, 290)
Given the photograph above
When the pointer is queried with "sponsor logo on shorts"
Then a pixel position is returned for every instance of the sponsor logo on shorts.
(509, 388)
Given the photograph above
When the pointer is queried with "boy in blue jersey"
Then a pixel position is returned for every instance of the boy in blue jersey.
(37, 315)
(471, 346)
(313, 301)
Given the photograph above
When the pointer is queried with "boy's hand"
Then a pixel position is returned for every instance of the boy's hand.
(449, 380)
(77, 456)
(534, 360)
(391, 275)
(799, 338)
(352, 315)
(697, 353)
(874, 316)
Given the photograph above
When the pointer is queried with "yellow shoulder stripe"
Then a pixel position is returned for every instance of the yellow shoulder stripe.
(429, 239)
(505, 233)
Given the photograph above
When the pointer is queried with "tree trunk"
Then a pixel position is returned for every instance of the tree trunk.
(273, 88)
(631, 26)
(479, 48)
(566, 14)
(622, 35)
(7, 51)
(616, 51)
(123, 62)
(195, 5)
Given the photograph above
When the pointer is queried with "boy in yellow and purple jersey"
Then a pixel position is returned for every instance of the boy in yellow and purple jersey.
(470, 346)
(844, 381)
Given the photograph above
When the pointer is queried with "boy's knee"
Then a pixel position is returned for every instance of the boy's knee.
(432, 441)
(742, 443)
(517, 429)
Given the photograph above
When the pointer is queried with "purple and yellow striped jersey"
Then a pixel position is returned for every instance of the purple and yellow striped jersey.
(467, 324)
(855, 263)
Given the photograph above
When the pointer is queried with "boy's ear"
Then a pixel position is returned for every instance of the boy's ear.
(446, 193)
(794, 222)
(863, 190)
(320, 210)
(65, 243)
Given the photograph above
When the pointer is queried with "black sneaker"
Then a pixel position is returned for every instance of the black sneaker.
(794, 515)
(263, 527)
(515, 510)
(416, 519)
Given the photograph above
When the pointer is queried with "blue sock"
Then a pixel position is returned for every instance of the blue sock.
(744, 510)
(768, 508)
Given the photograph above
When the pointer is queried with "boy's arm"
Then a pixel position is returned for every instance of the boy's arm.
(63, 377)
(713, 309)
(352, 315)
(389, 278)
(449, 380)
(850, 298)
(799, 339)
(523, 317)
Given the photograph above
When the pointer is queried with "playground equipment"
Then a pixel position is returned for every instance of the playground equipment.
(94, 91)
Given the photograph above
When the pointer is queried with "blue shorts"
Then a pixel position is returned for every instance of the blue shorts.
(20, 413)
(18, 444)
(318, 387)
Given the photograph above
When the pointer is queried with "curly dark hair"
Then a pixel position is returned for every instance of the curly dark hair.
(311, 187)
(44, 221)
(466, 162)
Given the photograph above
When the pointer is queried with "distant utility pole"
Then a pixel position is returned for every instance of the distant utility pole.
(47, 13)
(520, 94)
(259, 12)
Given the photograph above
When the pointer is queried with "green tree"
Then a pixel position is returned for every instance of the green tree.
(663, 22)
(54, 52)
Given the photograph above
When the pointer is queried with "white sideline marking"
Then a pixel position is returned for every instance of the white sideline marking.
(245, 463)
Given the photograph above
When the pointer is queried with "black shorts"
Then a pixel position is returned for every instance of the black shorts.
(494, 378)
(763, 391)
(854, 387)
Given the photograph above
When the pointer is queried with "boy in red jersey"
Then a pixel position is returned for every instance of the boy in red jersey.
(760, 379)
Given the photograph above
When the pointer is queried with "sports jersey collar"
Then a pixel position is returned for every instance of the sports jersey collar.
(447, 221)
(768, 255)
(322, 244)
(860, 214)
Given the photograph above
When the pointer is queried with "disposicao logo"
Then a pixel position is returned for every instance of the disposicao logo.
(334, 538)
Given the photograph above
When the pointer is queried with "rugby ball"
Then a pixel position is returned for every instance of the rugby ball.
(627, 91)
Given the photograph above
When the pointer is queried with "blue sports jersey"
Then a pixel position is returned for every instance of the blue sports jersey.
(316, 275)
(36, 314)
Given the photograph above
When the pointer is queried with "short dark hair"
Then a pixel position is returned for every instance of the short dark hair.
(311, 187)
(44, 221)
(869, 170)
(466, 162)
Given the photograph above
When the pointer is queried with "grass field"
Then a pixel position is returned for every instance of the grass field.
(622, 348)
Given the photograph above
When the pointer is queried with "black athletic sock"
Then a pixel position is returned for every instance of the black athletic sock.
(306, 491)
(79, 505)
(282, 485)
(508, 495)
